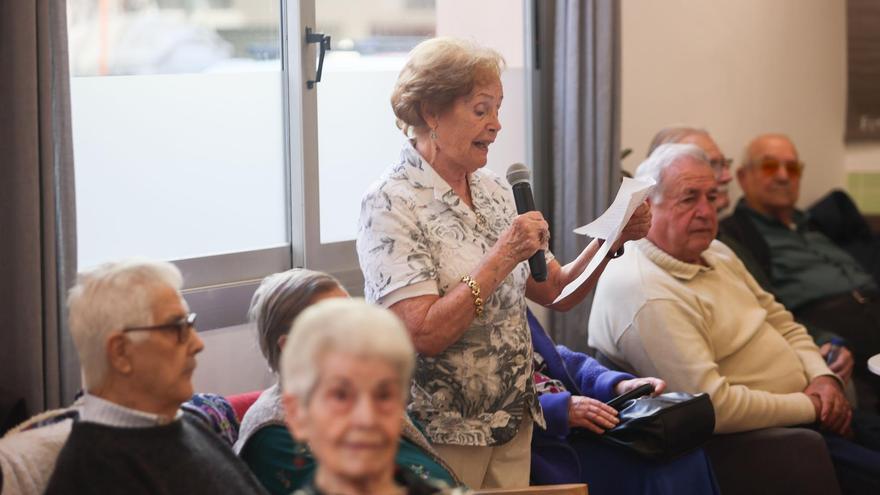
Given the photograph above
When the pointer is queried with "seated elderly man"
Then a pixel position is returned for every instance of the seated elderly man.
(137, 345)
(823, 285)
(842, 363)
(681, 306)
(700, 137)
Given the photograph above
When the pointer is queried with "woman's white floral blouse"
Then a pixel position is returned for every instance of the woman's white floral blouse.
(416, 237)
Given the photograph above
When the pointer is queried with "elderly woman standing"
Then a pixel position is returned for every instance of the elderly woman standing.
(441, 245)
(345, 369)
(264, 443)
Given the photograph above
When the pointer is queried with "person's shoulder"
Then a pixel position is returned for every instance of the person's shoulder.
(629, 273)
(399, 187)
(718, 248)
(722, 254)
(269, 437)
(83, 446)
(193, 426)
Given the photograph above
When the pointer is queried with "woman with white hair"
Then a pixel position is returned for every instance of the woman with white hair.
(345, 371)
(281, 463)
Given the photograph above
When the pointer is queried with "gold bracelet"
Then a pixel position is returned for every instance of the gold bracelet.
(475, 291)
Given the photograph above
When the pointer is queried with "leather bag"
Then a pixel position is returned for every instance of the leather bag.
(663, 427)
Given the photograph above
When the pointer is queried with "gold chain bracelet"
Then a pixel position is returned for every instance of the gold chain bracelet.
(475, 291)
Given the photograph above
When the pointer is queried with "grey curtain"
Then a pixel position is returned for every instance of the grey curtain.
(579, 108)
(38, 251)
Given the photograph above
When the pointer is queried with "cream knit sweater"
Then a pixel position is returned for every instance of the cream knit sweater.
(707, 329)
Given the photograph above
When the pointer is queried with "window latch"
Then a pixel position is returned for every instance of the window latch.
(323, 42)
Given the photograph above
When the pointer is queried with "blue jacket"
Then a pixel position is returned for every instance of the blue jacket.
(581, 375)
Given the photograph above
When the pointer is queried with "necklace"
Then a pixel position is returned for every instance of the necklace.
(482, 222)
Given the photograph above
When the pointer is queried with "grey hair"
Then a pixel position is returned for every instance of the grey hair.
(661, 159)
(673, 134)
(108, 298)
(350, 326)
(438, 71)
(279, 299)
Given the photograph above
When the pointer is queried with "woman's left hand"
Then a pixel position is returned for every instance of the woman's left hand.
(637, 227)
(589, 413)
(627, 385)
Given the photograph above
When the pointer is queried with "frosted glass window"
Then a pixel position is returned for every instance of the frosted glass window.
(178, 128)
(357, 137)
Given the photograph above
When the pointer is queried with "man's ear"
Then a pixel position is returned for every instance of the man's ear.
(281, 340)
(118, 358)
(295, 416)
(741, 175)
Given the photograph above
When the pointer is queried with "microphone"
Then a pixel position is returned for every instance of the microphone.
(518, 176)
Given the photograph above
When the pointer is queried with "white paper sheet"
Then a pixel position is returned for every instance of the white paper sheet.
(609, 225)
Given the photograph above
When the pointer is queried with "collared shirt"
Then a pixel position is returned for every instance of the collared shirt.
(416, 237)
(707, 328)
(101, 411)
(806, 265)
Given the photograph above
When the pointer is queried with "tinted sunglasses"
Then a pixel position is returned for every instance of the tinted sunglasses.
(770, 167)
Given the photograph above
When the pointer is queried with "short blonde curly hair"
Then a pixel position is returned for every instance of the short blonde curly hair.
(438, 71)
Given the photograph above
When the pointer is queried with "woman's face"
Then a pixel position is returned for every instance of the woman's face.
(466, 129)
(353, 420)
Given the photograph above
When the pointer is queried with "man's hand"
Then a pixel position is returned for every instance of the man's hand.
(591, 414)
(832, 409)
(625, 386)
(843, 365)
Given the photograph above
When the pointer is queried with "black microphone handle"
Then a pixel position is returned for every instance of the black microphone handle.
(538, 266)
(522, 196)
(525, 202)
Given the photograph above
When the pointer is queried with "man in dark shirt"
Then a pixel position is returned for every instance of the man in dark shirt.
(823, 285)
(137, 345)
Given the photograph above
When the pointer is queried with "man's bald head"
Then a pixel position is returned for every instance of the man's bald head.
(770, 175)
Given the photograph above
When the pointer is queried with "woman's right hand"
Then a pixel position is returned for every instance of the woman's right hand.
(591, 414)
(527, 234)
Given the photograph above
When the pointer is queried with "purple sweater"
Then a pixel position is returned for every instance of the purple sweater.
(579, 373)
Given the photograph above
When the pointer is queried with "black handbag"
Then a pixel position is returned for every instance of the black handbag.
(662, 427)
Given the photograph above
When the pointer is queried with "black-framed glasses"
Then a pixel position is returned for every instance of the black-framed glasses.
(183, 327)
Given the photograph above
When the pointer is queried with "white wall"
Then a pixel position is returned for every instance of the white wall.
(740, 68)
(231, 362)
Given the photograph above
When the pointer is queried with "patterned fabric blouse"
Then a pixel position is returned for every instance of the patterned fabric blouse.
(217, 413)
(416, 237)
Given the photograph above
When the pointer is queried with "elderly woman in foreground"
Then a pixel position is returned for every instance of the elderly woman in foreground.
(281, 463)
(345, 370)
(440, 244)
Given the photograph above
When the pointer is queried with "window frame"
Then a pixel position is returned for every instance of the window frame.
(220, 287)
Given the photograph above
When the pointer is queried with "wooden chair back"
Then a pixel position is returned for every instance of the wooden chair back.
(571, 489)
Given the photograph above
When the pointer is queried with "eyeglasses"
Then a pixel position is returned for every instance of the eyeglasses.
(183, 327)
(719, 164)
(770, 167)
